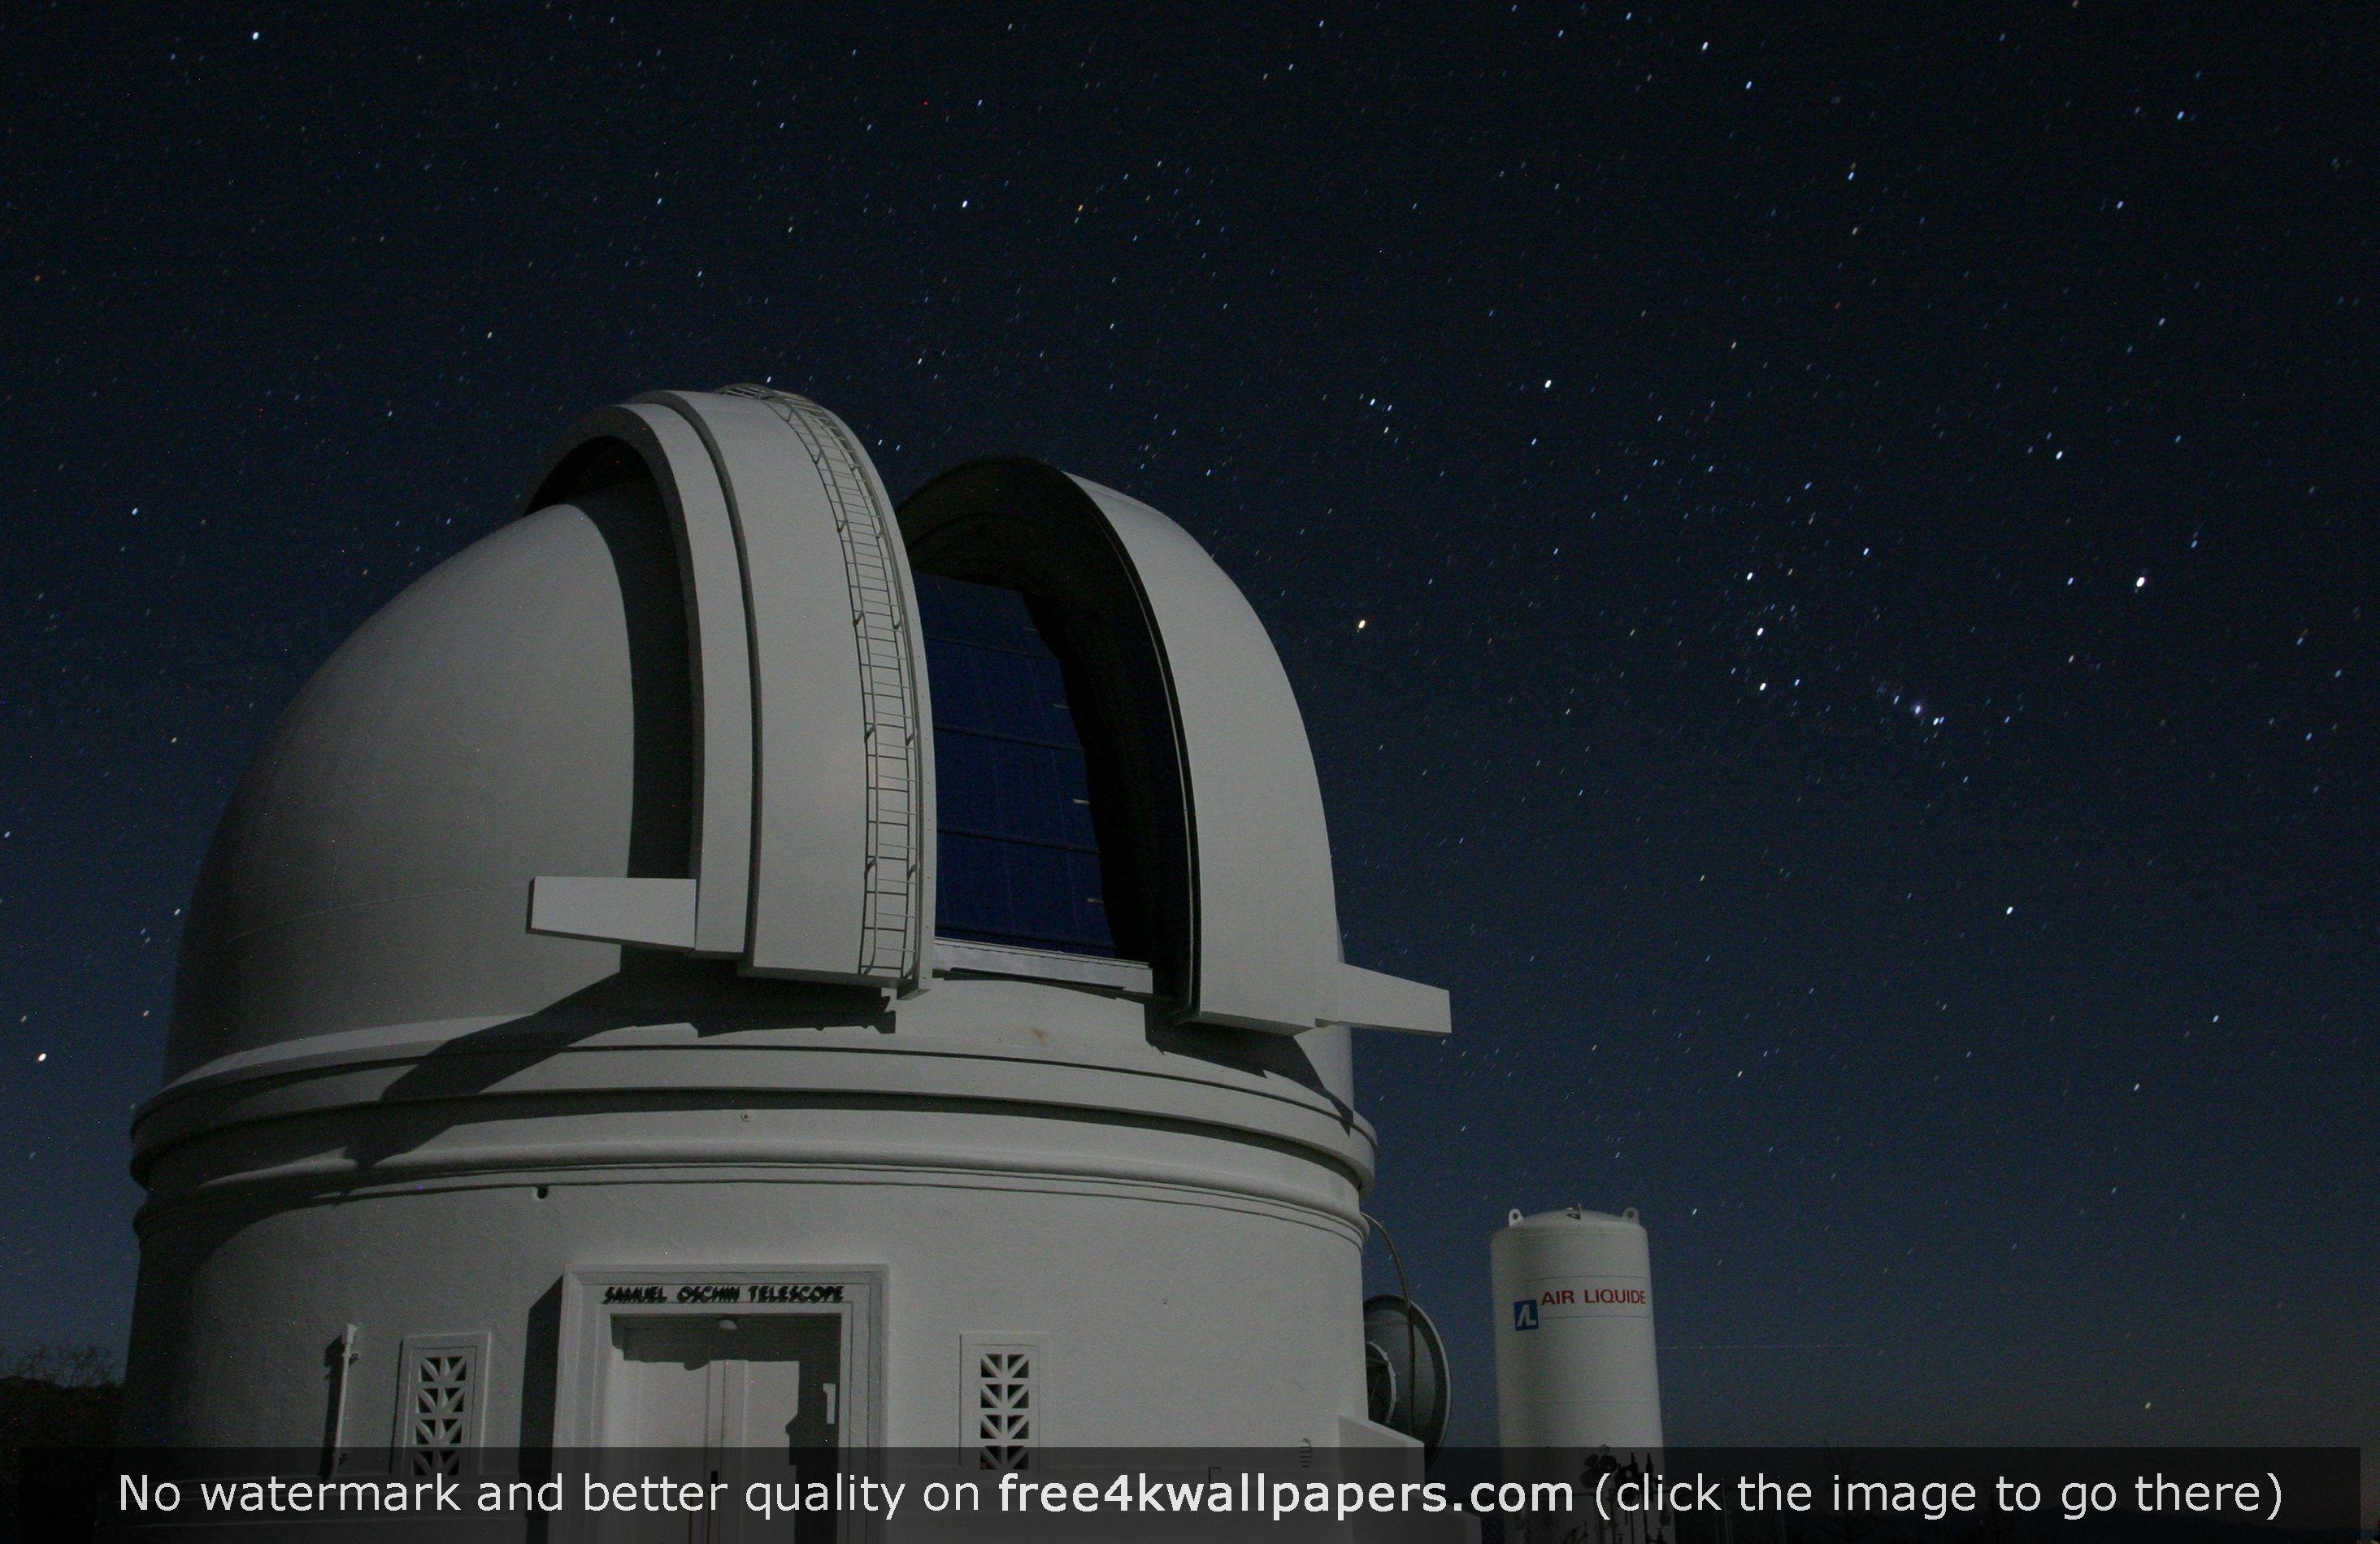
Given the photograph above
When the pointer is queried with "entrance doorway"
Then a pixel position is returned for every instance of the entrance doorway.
(756, 1383)
(721, 1400)
(738, 1358)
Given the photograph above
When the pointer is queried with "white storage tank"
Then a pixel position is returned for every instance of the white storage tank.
(1575, 1359)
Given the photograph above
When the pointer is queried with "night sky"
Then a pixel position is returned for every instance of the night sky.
(1828, 558)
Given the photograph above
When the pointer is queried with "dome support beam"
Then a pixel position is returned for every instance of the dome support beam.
(842, 805)
(650, 913)
(674, 458)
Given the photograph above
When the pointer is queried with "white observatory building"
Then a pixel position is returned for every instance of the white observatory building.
(721, 962)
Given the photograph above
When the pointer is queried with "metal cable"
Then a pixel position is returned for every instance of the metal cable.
(1412, 1334)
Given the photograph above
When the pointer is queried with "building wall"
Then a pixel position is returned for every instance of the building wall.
(1179, 1237)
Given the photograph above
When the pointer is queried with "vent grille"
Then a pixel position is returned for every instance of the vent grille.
(438, 1415)
(1003, 1414)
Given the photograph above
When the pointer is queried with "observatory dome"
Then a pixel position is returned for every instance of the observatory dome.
(519, 710)
(719, 885)
(671, 709)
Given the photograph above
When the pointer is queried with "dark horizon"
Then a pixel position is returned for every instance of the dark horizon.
(1826, 556)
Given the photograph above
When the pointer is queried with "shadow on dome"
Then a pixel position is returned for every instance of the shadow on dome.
(652, 988)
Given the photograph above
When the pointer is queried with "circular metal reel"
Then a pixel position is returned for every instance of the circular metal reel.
(1406, 1378)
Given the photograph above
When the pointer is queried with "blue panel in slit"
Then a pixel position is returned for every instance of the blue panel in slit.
(1019, 859)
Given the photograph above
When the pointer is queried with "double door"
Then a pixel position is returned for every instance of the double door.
(750, 1383)
(724, 1401)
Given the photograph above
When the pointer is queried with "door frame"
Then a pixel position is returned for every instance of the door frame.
(594, 1296)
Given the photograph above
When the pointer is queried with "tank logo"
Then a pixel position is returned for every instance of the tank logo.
(1525, 1314)
(705, 1293)
(1565, 1297)
(1587, 1296)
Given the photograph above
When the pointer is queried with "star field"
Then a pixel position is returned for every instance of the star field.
(1828, 557)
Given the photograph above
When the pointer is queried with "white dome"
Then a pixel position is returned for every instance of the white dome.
(574, 943)
(483, 728)
(682, 707)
